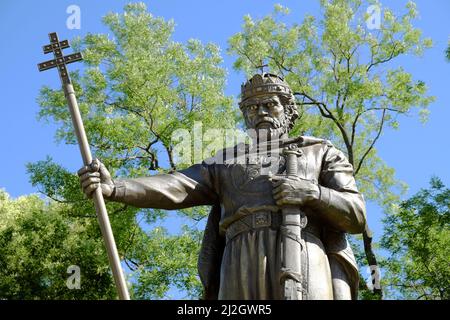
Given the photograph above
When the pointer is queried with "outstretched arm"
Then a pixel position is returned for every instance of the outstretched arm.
(177, 190)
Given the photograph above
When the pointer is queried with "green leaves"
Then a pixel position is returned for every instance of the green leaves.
(418, 236)
(168, 261)
(447, 52)
(346, 87)
(139, 86)
(38, 242)
(55, 181)
(339, 69)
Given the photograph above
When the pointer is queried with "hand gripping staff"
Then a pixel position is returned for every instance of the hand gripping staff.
(60, 62)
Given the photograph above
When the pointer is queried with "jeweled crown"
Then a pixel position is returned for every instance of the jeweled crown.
(263, 84)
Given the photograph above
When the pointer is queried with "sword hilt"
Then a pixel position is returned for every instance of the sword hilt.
(292, 153)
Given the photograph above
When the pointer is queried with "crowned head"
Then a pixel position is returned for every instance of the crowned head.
(268, 104)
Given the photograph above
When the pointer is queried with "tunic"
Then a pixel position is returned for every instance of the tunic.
(240, 256)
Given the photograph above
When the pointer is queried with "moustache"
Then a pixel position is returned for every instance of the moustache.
(265, 119)
(275, 123)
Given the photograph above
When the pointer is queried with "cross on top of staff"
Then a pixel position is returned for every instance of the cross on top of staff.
(60, 61)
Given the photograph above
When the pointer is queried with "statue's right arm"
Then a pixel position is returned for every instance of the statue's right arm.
(181, 189)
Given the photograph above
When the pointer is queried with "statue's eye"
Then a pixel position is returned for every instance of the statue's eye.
(253, 107)
(270, 104)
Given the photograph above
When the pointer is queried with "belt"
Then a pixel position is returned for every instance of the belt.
(257, 220)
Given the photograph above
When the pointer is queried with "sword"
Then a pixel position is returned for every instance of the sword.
(293, 220)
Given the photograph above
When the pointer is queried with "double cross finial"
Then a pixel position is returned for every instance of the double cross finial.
(60, 60)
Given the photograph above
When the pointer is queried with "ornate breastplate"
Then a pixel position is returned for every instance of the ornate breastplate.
(252, 177)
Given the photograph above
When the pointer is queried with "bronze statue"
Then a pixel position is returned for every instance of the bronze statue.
(281, 207)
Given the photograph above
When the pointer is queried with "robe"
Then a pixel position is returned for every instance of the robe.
(240, 255)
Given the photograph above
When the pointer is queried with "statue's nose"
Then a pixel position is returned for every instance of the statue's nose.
(262, 110)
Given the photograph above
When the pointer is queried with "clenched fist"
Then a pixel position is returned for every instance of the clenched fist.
(94, 176)
(292, 190)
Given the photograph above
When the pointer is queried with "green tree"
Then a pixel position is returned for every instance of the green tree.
(39, 241)
(344, 80)
(447, 52)
(138, 87)
(418, 237)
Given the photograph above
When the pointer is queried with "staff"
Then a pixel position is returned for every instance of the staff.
(60, 62)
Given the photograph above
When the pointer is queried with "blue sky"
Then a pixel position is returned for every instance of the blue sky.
(416, 151)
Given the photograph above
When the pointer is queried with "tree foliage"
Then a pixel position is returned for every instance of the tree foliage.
(339, 71)
(138, 87)
(447, 52)
(418, 238)
(39, 241)
(344, 79)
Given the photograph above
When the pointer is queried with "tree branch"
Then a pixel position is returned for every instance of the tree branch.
(390, 57)
(372, 144)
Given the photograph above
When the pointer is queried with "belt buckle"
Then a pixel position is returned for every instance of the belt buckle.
(262, 219)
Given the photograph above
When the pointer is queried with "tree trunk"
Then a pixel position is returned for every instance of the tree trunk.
(371, 260)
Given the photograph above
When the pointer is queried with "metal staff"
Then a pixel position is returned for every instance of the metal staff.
(293, 220)
(60, 62)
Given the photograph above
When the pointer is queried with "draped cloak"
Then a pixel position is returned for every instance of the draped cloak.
(245, 264)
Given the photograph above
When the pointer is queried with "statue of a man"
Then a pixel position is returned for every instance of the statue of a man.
(241, 251)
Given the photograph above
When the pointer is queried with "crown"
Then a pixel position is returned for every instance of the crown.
(263, 84)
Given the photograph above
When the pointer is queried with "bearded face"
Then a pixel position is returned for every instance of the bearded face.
(266, 115)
